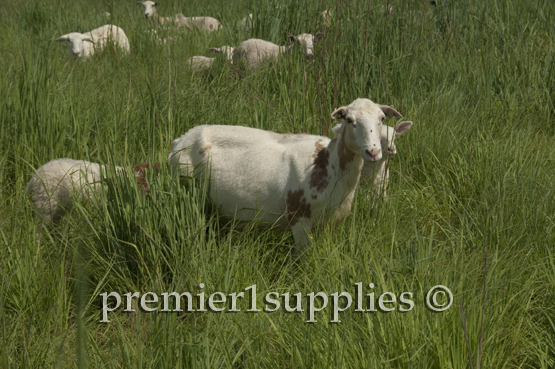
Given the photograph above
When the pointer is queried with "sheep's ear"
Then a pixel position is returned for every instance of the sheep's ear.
(339, 113)
(139, 3)
(390, 112)
(402, 128)
(215, 49)
(319, 36)
(290, 38)
(89, 40)
(335, 130)
(63, 38)
(156, 3)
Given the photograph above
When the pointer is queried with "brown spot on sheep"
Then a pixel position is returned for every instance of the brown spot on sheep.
(297, 207)
(319, 178)
(345, 155)
(140, 170)
(203, 151)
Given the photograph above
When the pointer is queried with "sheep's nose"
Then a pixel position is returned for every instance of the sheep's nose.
(310, 56)
(373, 153)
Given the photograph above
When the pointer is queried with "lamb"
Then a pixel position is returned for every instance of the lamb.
(292, 181)
(257, 52)
(377, 173)
(202, 23)
(85, 44)
(203, 63)
(57, 183)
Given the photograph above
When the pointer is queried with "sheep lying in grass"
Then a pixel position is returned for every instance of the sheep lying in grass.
(203, 63)
(85, 44)
(256, 52)
(56, 184)
(202, 23)
(293, 181)
(376, 174)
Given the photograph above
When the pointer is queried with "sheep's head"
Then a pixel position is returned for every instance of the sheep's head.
(362, 127)
(76, 44)
(150, 7)
(305, 42)
(227, 51)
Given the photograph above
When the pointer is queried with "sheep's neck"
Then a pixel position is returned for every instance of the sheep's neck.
(285, 49)
(344, 163)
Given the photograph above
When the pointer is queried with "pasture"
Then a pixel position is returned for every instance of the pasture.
(471, 197)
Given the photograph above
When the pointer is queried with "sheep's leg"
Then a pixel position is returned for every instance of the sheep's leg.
(301, 234)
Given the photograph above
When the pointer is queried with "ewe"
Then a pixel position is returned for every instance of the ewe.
(202, 23)
(85, 44)
(293, 181)
(204, 63)
(377, 173)
(256, 51)
(57, 183)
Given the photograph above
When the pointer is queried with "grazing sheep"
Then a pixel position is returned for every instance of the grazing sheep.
(202, 23)
(293, 181)
(204, 63)
(85, 44)
(57, 183)
(376, 174)
(257, 52)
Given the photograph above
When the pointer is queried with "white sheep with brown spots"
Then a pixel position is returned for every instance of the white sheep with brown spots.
(55, 186)
(179, 20)
(376, 174)
(255, 52)
(83, 45)
(292, 181)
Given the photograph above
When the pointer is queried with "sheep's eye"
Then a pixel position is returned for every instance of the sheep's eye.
(350, 120)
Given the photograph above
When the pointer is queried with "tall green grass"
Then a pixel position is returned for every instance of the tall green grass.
(471, 201)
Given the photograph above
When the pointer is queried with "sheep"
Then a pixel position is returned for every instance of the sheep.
(204, 63)
(202, 23)
(377, 173)
(256, 52)
(56, 184)
(85, 44)
(293, 181)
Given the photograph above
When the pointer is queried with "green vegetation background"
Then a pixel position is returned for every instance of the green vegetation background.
(471, 206)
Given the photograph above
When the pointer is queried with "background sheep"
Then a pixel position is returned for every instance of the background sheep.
(203, 63)
(202, 23)
(84, 44)
(56, 184)
(257, 52)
